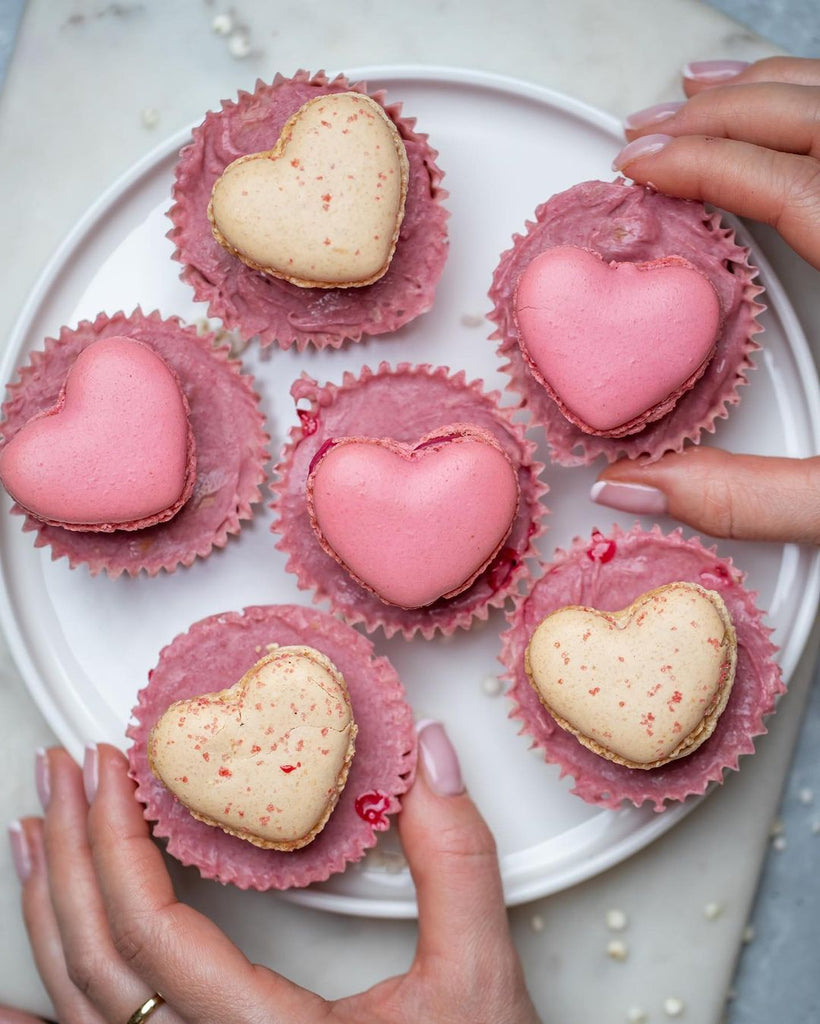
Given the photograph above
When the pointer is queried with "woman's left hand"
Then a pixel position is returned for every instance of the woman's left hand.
(107, 930)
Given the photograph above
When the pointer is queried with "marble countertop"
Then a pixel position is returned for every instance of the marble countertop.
(108, 82)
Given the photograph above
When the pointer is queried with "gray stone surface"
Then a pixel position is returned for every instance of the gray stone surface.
(792, 24)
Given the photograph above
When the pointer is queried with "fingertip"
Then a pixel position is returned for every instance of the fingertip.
(640, 148)
(439, 765)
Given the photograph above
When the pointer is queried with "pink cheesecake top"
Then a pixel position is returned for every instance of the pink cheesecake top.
(615, 344)
(116, 451)
(414, 523)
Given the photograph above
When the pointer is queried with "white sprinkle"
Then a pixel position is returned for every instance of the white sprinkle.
(472, 320)
(149, 117)
(776, 828)
(637, 1015)
(239, 46)
(748, 933)
(616, 920)
(806, 796)
(492, 686)
(712, 911)
(779, 843)
(673, 1007)
(537, 923)
(222, 24)
(616, 949)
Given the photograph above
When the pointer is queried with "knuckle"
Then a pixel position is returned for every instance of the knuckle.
(129, 936)
(476, 843)
(87, 971)
(718, 505)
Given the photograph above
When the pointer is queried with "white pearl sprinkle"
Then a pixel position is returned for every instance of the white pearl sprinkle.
(472, 320)
(537, 923)
(616, 920)
(239, 46)
(712, 911)
(806, 796)
(673, 1007)
(149, 117)
(492, 686)
(637, 1015)
(222, 24)
(779, 843)
(617, 949)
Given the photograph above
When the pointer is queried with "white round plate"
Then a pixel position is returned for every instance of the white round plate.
(84, 646)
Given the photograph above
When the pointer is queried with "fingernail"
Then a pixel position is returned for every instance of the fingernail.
(652, 115)
(713, 70)
(645, 146)
(20, 853)
(41, 777)
(91, 771)
(637, 498)
(439, 759)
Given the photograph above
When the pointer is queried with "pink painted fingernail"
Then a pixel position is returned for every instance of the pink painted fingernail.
(91, 771)
(645, 146)
(20, 853)
(637, 498)
(42, 777)
(439, 759)
(713, 70)
(653, 115)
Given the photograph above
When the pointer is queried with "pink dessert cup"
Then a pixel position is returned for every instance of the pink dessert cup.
(405, 404)
(276, 311)
(228, 429)
(633, 223)
(608, 573)
(214, 654)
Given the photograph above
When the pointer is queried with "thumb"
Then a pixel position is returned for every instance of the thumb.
(749, 497)
(452, 858)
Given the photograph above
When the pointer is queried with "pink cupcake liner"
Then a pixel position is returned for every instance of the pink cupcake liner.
(228, 430)
(633, 223)
(405, 403)
(275, 311)
(214, 654)
(608, 573)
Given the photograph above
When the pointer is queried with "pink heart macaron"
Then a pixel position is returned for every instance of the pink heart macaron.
(116, 451)
(413, 523)
(615, 344)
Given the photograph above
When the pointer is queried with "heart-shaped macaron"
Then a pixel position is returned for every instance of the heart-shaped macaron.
(414, 523)
(266, 759)
(323, 208)
(615, 344)
(115, 452)
(640, 686)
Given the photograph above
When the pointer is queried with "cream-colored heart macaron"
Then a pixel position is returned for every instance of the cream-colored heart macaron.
(266, 759)
(641, 686)
(324, 207)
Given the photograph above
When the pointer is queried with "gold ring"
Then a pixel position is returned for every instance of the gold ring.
(144, 1012)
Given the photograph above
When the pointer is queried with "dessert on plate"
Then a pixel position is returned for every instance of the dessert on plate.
(408, 498)
(640, 665)
(309, 213)
(625, 319)
(271, 746)
(132, 443)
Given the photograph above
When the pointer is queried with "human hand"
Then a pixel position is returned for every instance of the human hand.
(747, 140)
(107, 931)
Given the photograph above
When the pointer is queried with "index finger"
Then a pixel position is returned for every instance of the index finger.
(177, 951)
(781, 189)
